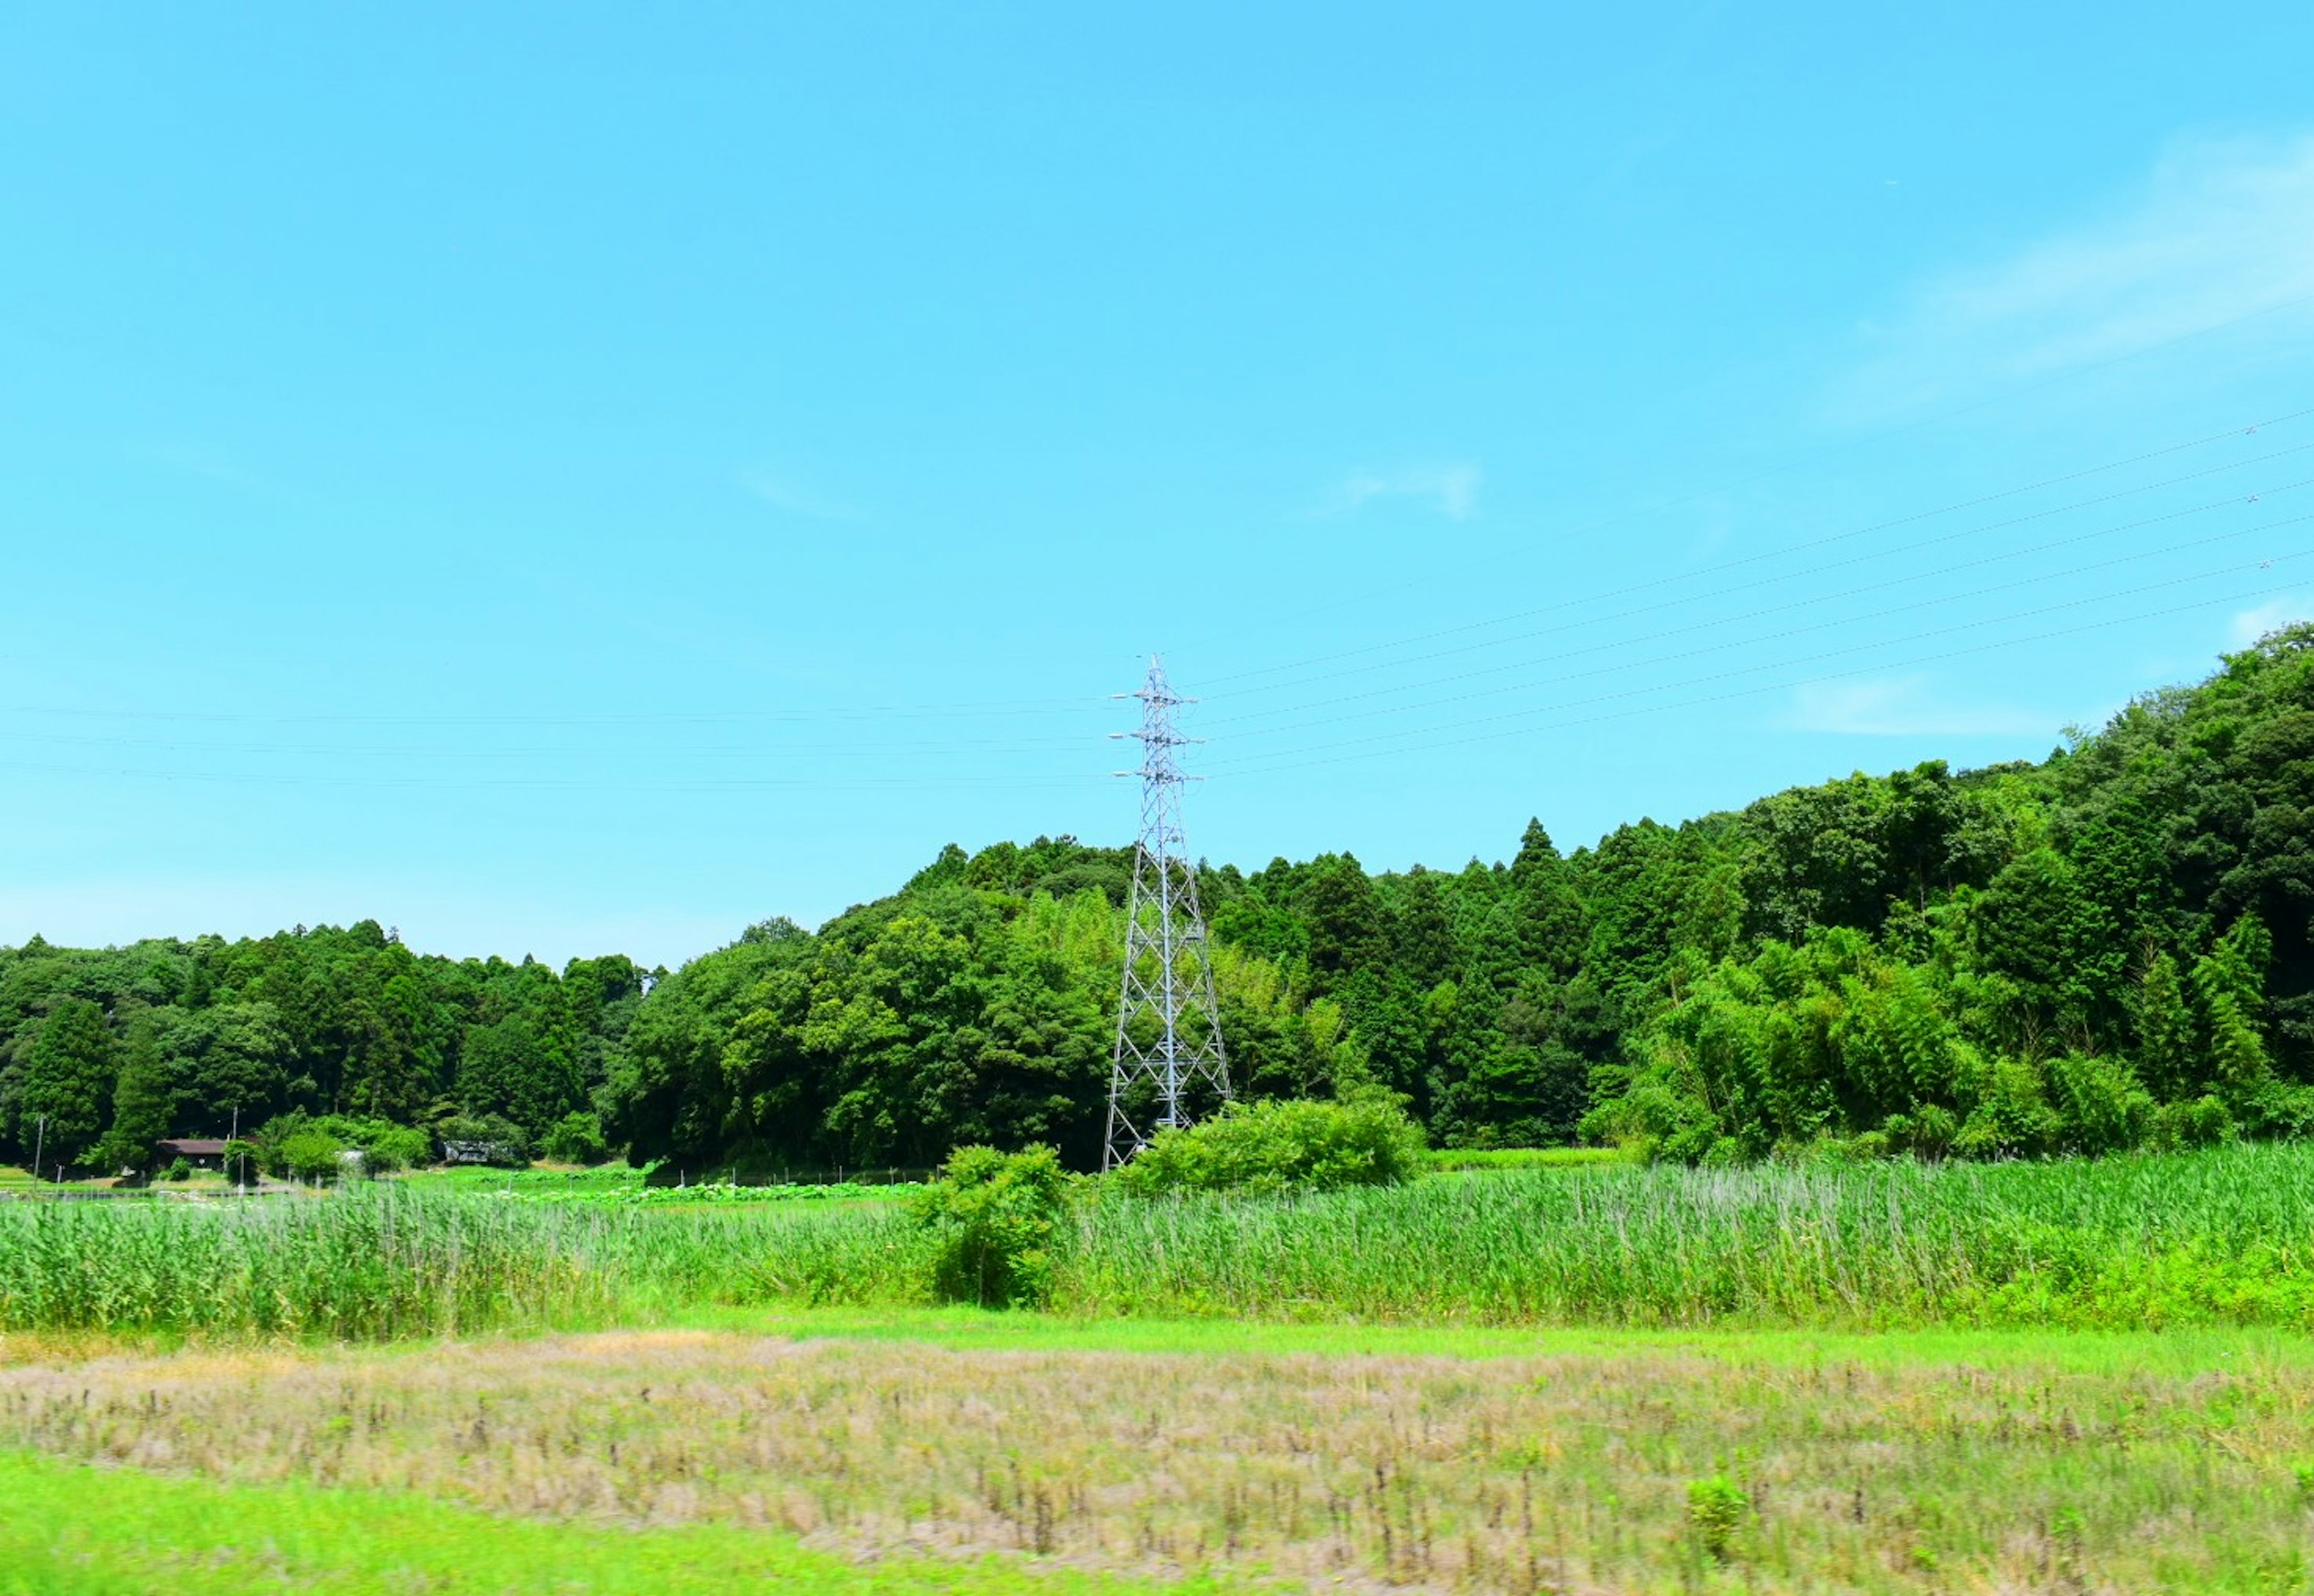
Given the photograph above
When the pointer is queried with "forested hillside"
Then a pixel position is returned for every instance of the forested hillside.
(2104, 949)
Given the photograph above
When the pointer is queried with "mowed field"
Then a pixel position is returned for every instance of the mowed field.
(1586, 1380)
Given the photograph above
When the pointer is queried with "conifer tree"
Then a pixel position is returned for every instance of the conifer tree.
(142, 1105)
(67, 1081)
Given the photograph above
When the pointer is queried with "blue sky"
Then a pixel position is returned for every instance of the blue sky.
(566, 478)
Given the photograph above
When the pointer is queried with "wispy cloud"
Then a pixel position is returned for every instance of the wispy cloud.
(1905, 706)
(2216, 233)
(785, 494)
(2251, 625)
(1452, 490)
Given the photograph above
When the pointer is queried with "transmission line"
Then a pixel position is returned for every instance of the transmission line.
(1791, 549)
(2203, 604)
(1837, 621)
(1224, 767)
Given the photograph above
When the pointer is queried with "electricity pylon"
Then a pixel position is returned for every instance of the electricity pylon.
(1169, 1056)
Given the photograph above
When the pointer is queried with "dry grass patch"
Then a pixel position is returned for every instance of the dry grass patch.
(1571, 1472)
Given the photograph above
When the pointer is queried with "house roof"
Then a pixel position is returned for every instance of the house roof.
(193, 1147)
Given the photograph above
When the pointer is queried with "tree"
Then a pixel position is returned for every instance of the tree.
(69, 1081)
(143, 1105)
(2164, 1030)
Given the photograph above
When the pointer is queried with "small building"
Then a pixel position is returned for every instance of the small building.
(202, 1152)
(477, 1151)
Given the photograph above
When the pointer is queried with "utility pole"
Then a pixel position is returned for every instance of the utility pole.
(39, 1140)
(1168, 1052)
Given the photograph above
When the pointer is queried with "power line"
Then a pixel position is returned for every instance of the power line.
(557, 784)
(1086, 705)
(1224, 766)
(1800, 548)
(1844, 619)
(1602, 522)
(1757, 690)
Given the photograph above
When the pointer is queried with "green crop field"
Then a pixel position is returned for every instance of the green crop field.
(1890, 1377)
(2222, 1236)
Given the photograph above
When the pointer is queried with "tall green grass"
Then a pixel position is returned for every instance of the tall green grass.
(382, 1262)
(2225, 1235)
(1451, 1160)
(2218, 1236)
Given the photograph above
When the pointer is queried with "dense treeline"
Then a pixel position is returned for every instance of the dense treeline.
(2104, 949)
(101, 1053)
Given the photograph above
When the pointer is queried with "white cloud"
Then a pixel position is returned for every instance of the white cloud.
(1452, 490)
(785, 493)
(2217, 231)
(1905, 706)
(2251, 625)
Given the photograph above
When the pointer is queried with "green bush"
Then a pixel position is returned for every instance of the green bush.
(396, 1147)
(1281, 1145)
(989, 1219)
(307, 1153)
(242, 1160)
(1716, 1509)
(178, 1170)
(2204, 1122)
(383, 1145)
(574, 1139)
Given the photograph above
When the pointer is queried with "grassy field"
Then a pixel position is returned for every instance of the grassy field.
(618, 1184)
(1450, 1159)
(2217, 1237)
(79, 1531)
(1885, 1377)
(1522, 1462)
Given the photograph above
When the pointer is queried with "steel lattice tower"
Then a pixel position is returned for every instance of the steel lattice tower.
(1169, 1055)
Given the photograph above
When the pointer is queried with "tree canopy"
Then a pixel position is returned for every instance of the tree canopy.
(2107, 948)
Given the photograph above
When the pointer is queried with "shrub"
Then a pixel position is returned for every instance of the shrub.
(989, 1217)
(383, 1145)
(387, 1146)
(307, 1153)
(2202, 1123)
(574, 1139)
(1715, 1510)
(2103, 1108)
(1282, 1144)
(242, 1159)
(178, 1170)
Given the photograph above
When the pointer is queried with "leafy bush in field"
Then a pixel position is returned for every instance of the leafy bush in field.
(293, 1146)
(989, 1219)
(307, 1154)
(1716, 1509)
(1280, 1144)
(574, 1139)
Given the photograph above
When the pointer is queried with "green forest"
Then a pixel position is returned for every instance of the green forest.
(2106, 950)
